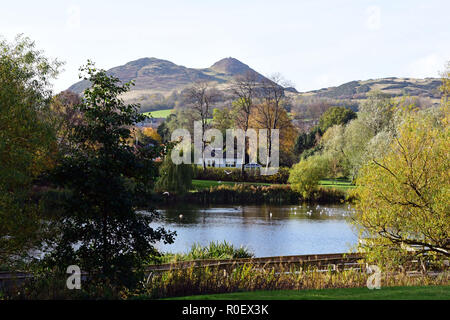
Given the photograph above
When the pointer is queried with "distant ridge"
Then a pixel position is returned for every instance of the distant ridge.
(164, 76)
(158, 83)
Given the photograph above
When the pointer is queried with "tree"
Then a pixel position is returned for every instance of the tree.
(27, 142)
(307, 140)
(174, 178)
(335, 116)
(268, 116)
(164, 129)
(304, 176)
(150, 135)
(245, 91)
(223, 119)
(403, 196)
(201, 98)
(377, 112)
(271, 114)
(64, 117)
(333, 142)
(104, 176)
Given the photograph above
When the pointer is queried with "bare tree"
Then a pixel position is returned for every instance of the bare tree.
(271, 112)
(245, 90)
(201, 99)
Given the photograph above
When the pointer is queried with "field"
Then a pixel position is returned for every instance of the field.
(388, 293)
(159, 113)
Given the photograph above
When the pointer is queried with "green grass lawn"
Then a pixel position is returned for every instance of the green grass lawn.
(206, 184)
(159, 113)
(388, 293)
(338, 184)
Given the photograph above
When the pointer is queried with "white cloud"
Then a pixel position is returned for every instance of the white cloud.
(428, 66)
(73, 21)
(373, 21)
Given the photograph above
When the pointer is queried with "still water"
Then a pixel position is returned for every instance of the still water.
(265, 230)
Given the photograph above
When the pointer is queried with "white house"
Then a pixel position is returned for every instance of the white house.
(221, 161)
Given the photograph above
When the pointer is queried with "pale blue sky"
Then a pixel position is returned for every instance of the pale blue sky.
(312, 43)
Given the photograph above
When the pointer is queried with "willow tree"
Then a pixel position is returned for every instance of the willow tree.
(404, 196)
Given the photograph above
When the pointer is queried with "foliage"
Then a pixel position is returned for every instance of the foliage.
(100, 230)
(304, 176)
(268, 116)
(403, 196)
(272, 194)
(174, 178)
(27, 141)
(63, 117)
(307, 140)
(335, 116)
(214, 250)
(223, 119)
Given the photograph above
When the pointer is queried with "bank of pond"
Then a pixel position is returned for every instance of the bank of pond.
(243, 193)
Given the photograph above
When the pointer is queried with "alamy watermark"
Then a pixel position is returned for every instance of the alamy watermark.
(374, 280)
(261, 145)
(74, 280)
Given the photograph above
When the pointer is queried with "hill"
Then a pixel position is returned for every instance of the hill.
(426, 88)
(157, 75)
(158, 83)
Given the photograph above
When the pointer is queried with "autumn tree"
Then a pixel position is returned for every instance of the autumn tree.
(305, 175)
(245, 90)
(201, 98)
(64, 116)
(335, 116)
(27, 142)
(271, 114)
(403, 196)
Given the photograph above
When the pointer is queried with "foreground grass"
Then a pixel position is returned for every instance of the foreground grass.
(387, 293)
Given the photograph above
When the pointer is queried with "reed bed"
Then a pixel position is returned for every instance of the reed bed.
(210, 280)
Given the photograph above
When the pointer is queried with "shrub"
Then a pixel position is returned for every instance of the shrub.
(214, 250)
(304, 176)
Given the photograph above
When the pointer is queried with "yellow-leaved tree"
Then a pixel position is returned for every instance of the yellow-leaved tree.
(403, 197)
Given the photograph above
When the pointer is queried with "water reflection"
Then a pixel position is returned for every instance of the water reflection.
(266, 230)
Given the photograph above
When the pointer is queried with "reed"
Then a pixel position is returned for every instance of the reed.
(210, 280)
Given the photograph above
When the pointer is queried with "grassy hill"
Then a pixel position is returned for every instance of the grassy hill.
(159, 83)
(427, 88)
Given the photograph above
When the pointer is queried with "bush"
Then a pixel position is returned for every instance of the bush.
(214, 250)
(304, 176)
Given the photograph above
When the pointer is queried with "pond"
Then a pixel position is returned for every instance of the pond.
(265, 230)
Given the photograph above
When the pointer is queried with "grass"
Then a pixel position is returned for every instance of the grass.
(206, 184)
(386, 293)
(329, 183)
(337, 183)
(159, 113)
(214, 250)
